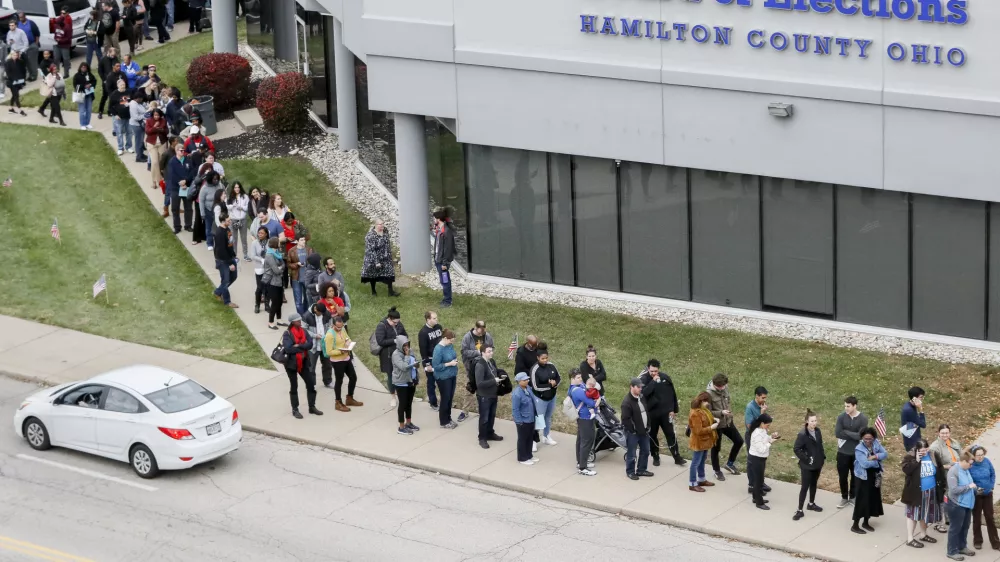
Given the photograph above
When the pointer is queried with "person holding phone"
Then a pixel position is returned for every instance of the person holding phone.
(760, 448)
(703, 436)
(920, 494)
(912, 418)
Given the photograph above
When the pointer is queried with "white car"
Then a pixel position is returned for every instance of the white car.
(41, 11)
(149, 417)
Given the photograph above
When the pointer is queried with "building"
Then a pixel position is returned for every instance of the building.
(826, 158)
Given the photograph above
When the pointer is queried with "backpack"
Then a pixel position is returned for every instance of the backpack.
(571, 412)
(470, 375)
(373, 344)
(323, 342)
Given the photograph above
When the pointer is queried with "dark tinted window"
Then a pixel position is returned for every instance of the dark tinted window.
(72, 6)
(181, 397)
(33, 8)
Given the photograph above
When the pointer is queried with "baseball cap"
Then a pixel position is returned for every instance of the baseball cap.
(637, 382)
(521, 377)
(194, 130)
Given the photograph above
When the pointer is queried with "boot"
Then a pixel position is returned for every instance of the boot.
(315, 411)
(340, 407)
(166, 211)
(352, 402)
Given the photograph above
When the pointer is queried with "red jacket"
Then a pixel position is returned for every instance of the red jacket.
(192, 143)
(156, 129)
(62, 28)
(291, 242)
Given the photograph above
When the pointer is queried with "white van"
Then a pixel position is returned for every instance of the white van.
(40, 11)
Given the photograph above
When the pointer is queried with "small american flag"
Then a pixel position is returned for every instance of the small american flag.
(55, 229)
(101, 285)
(512, 348)
(880, 423)
(8, 182)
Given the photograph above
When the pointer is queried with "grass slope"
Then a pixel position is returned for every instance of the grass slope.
(158, 295)
(798, 374)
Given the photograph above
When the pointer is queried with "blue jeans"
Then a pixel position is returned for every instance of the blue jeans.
(958, 531)
(121, 133)
(85, 109)
(209, 219)
(545, 408)
(431, 383)
(145, 24)
(170, 13)
(447, 389)
(92, 48)
(445, 278)
(226, 277)
(635, 465)
(696, 473)
(299, 296)
(139, 141)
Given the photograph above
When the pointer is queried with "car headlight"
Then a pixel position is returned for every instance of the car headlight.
(23, 405)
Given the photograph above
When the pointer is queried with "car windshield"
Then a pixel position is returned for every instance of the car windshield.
(181, 397)
(72, 6)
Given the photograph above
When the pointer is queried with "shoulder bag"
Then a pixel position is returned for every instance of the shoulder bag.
(278, 354)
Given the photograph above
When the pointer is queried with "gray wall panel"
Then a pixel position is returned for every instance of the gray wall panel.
(411, 86)
(654, 211)
(596, 223)
(873, 265)
(949, 266)
(561, 215)
(410, 39)
(725, 239)
(798, 245)
(993, 333)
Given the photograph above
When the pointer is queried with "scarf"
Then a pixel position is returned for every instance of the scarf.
(276, 253)
(299, 335)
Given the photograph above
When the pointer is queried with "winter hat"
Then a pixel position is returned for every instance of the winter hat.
(293, 317)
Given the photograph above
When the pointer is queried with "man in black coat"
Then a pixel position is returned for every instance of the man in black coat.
(428, 338)
(635, 420)
(661, 396)
(385, 334)
(444, 251)
(527, 355)
(225, 261)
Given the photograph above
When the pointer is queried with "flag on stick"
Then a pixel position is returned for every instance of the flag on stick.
(880, 423)
(101, 285)
(55, 230)
(512, 348)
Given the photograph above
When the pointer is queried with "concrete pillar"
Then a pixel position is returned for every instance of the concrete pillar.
(224, 26)
(347, 103)
(285, 34)
(414, 199)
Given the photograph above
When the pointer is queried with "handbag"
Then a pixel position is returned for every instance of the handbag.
(78, 97)
(373, 345)
(539, 422)
(278, 354)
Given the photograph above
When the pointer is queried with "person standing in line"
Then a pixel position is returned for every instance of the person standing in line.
(131, 70)
(868, 457)
(912, 418)
(335, 345)
(848, 433)
(444, 251)
(405, 379)
(386, 333)
(84, 83)
(110, 72)
(3, 59)
(760, 448)
(194, 15)
(156, 140)
(754, 409)
(586, 431)
(961, 500)
(33, 34)
(258, 249)
(274, 264)
(473, 343)
(487, 382)
(309, 275)
(17, 39)
(296, 344)
(592, 368)
(377, 266)
(317, 321)
(57, 90)
(444, 361)
(985, 478)
(237, 205)
(527, 355)
(702, 439)
(137, 128)
(921, 493)
(14, 74)
(661, 397)
(809, 450)
(329, 274)
(180, 176)
(523, 410)
(118, 108)
(63, 33)
(225, 262)
(544, 380)
(718, 389)
(427, 339)
(635, 422)
(945, 452)
(111, 23)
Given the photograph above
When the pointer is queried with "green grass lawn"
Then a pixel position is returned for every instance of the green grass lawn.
(171, 62)
(158, 295)
(798, 374)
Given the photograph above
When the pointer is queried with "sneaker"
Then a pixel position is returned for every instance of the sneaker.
(462, 416)
(412, 427)
(527, 462)
(967, 552)
(549, 441)
(534, 447)
(434, 407)
(81, 128)
(843, 503)
(210, 248)
(131, 150)
(417, 399)
(732, 469)
(814, 507)
(798, 515)
(403, 431)
(590, 465)
(120, 152)
(720, 476)
(632, 476)
(958, 557)
(679, 461)
(588, 472)
(484, 444)
(449, 425)
(90, 127)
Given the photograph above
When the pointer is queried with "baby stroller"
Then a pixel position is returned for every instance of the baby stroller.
(610, 432)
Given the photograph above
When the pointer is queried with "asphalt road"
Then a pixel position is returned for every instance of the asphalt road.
(276, 500)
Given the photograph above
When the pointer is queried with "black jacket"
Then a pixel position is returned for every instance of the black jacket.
(661, 397)
(540, 377)
(105, 65)
(599, 374)
(223, 243)
(15, 70)
(111, 81)
(810, 451)
(486, 375)
(292, 350)
(428, 338)
(386, 337)
(444, 245)
(83, 80)
(525, 360)
(632, 416)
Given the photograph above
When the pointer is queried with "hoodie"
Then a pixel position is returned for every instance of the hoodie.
(583, 404)
(404, 367)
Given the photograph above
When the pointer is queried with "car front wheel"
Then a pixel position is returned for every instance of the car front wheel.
(143, 462)
(36, 434)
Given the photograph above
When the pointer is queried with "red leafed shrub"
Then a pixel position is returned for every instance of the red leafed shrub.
(224, 76)
(283, 102)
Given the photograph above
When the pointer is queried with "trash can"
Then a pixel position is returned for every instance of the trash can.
(205, 106)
